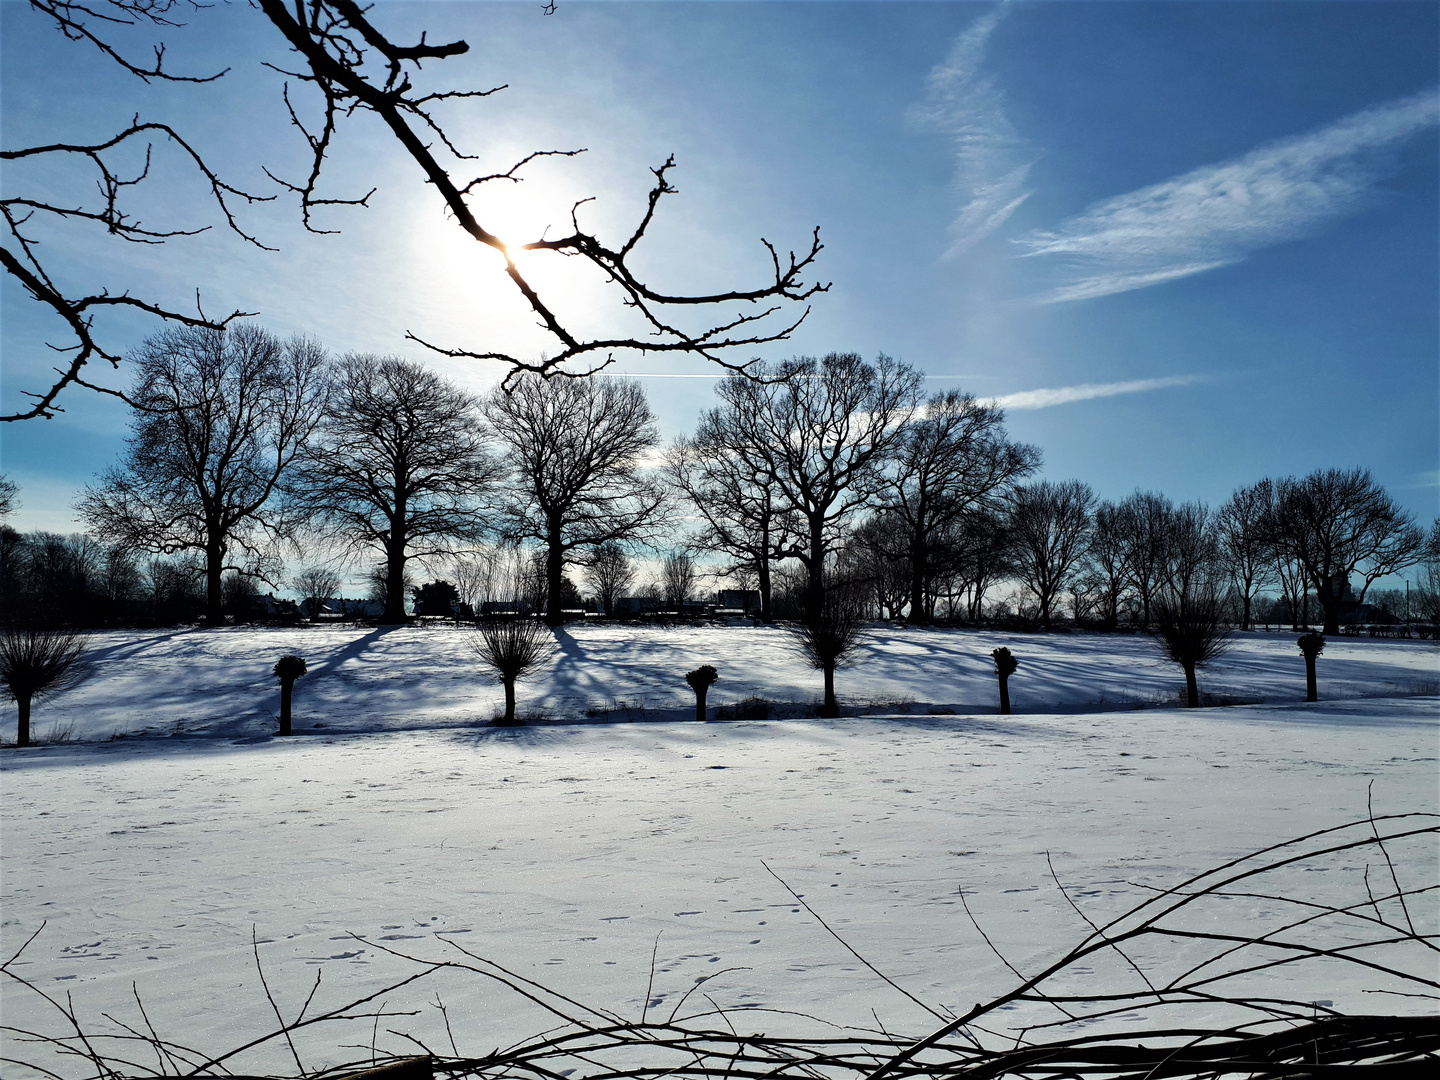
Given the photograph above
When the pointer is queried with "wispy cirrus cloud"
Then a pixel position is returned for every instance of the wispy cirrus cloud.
(1064, 395)
(992, 160)
(1219, 214)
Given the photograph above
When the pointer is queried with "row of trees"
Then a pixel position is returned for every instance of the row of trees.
(807, 477)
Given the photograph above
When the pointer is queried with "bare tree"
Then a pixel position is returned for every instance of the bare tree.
(609, 572)
(401, 463)
(221, 416)
(315, 585)
(828, 638)
(576, 445)
(8, 490)
(819, 433)
(1144, 520)
(953, 459)
(743, 516)
(1191, 630)
(1188, 609)
(868, 557)
(677, 576)
(35, 662)
(351, 68)
(1245, 533)
(1338, 522)
(512, 647)
(1106, 556)
(1051, 523)
(1427, 595)
(982, 552)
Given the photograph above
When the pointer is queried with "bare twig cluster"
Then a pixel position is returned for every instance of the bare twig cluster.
(354, 66)
(1173, 987)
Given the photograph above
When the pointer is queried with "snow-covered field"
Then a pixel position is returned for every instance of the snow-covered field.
(564, 849)
(191, 682)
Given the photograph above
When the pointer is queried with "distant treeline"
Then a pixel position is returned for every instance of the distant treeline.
(809, 484)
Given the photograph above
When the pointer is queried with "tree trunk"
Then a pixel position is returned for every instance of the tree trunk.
(1329, 594)
(509, 702)
(830, 707)
(214, 568)
(1004, 695)
(554, 571)
(815, 572)
(1245, 611)
(22, 732)
(394, 583)
(1192, 691)
(762, 573)
(287, 688)
(919, 558)
(1311, 690)
(700, 693)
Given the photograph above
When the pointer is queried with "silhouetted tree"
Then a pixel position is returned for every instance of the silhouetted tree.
(868, 556)
(576, 447)
(827, 638)
(401, 463)
(315, 585)
(1144, 524)
(287, 669)
(512, 647)
(984, 552)
(743, 516)
(1005, 665)
(1245, 533)
(1188, 610)
(220, 417)
(8, 492)
(677, 578)
(952, 459)
(1427, 593)
(1051, 523)
(819, 433)
(351, 67)
(436, 598)
(1338, 522)
(1105, 555)
(1311, 645)
(239, 597)
(609, 572)
(700, 680)
(36, 662)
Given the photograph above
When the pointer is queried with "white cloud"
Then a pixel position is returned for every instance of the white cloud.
(1218, 214)
(992, 160)
(1064, 395)
(1124, 281)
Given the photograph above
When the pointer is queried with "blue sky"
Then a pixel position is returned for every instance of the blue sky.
(1187, 244)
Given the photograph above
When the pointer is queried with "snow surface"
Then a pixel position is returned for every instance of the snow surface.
(565, 848)
(219, 682)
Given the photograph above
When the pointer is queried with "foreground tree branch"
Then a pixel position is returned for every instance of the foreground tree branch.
(1182, 950)
(355, 66)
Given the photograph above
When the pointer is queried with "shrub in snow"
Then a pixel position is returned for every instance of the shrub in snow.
(700, 680)
(751, 708)
(287, 669)
(35, 662)
(1005, 665)
(511, 649)
(1311, 645)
